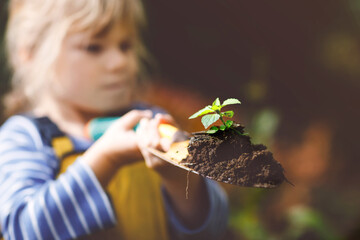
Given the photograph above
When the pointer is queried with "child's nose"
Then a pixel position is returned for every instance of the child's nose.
(117, 60)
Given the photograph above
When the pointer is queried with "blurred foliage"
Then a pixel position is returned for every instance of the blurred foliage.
(355, 9)
(301, 222)
(338, 54)
(303, 219)
(246, 221)
(264, 125)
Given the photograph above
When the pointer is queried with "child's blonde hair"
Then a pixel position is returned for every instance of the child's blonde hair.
(36, 29)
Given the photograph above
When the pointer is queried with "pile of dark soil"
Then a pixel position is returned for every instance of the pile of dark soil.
(230, 157)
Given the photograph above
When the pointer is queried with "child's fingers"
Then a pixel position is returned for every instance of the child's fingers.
(141, 130)
(165, 144)
(129, 120)
(162, 143)
(154, 128)
(149, 135)
(147, 132)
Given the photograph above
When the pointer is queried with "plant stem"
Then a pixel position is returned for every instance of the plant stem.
(218, 112)
(236, 131)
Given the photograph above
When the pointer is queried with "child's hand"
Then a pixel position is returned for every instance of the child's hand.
(119, 142)
(148, 136)
(117, 147)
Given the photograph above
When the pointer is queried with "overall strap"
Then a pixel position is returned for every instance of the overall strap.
(52, 136)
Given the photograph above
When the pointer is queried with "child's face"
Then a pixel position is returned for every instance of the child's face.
(96, 73)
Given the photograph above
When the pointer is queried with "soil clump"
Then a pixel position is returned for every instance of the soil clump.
(230, 157)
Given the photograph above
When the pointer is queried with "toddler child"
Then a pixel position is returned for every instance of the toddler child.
(72, 61)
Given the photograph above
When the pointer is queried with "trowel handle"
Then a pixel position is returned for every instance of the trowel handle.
(96, 127)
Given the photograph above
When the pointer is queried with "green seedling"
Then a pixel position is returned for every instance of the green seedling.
(212, 113)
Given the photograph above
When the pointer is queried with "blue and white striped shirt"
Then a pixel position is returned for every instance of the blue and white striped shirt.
(34, 204)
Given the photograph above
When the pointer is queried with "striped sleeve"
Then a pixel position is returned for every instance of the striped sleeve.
(35, 205)
(215, 224)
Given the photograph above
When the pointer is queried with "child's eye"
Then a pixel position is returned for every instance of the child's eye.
(93, 48)
(125, 46)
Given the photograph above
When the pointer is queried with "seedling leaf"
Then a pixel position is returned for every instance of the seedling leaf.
(229, 123)
(222, 127)
(231, 101)
(229, 114)
(213, 130)
(209, 119)
(216, 102)
(201, 112)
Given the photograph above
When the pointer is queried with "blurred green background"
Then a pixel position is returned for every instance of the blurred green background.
(295, 65)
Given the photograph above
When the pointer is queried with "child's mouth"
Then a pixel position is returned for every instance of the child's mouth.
(116, 85)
